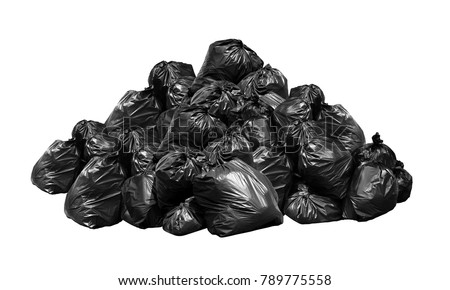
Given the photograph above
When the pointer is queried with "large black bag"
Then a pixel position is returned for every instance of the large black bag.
(305, 207)
(404, 180)
(95, 198)
(229, 60)
(57, 168)
(84, 130)
(192, 126)
(164, 73)
(372, 192)
(141, 207)
(184, 219)
(263, 81)
(236, 198)
(174, 174)
(377, 152)
(275, 165)
(325, 157)
(312, 95)
(221, 98)
(136, 109)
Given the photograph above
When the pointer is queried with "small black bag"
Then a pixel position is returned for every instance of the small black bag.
(263, 81)
(184, 219)
(404, 180)
(305, 207)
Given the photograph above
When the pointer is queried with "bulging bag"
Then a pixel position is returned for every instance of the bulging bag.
(312, 95)
(404, 180)
(135, 109)
(184, 219)
(236, 198)
(376, 152)
(263, 81)
(229, 60)
(305, 207)
(84, 130)
(57, 168)
(372, 192)
(140, 201)
(95, 198)
(174, 174)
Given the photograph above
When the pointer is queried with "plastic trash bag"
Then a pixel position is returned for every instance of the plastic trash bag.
(305, 207)
(164, 73)
(232, 144)
(178, 92)
(136, 109)
(95, 198)
(236, 198)
(372, 192)
(377, 152)
(140, 202)
(260, 107)
(101, 145)
(142, 159)
(84, 130)
(164, 121)
(312, 95)
(193, 127)
(57, 168)
(404, 180)
(263, 81)
(260, 131)
(221, 98)
(292, 112)
(275, 165)
(174, 174)
(184, 219)
(325, 161)
(229, 60)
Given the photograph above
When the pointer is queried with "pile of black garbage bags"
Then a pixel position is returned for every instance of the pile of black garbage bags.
(229, 149)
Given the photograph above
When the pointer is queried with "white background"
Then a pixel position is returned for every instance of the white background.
(387, 63)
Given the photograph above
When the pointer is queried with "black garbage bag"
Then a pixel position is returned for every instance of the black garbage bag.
(372, 192)
(100, 145)
(95, 198)
(229, 60)
(174, 174)
(184, 219)
(292, 112)
(260, 131)
(178, 92)
(57, 168)
(222, 98)
(141, 206)
(131, 141)
(84, 130)
(233, 144)
(377, 152)
(305, 207)
(259, 107)
(263, 81)
(325, 160)
(236, 198)
(404, 180)
(164, 73)
(193, 127)
(142, 159)
(312, 95)
(339, 124)
(275, 165)
(136, 109)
